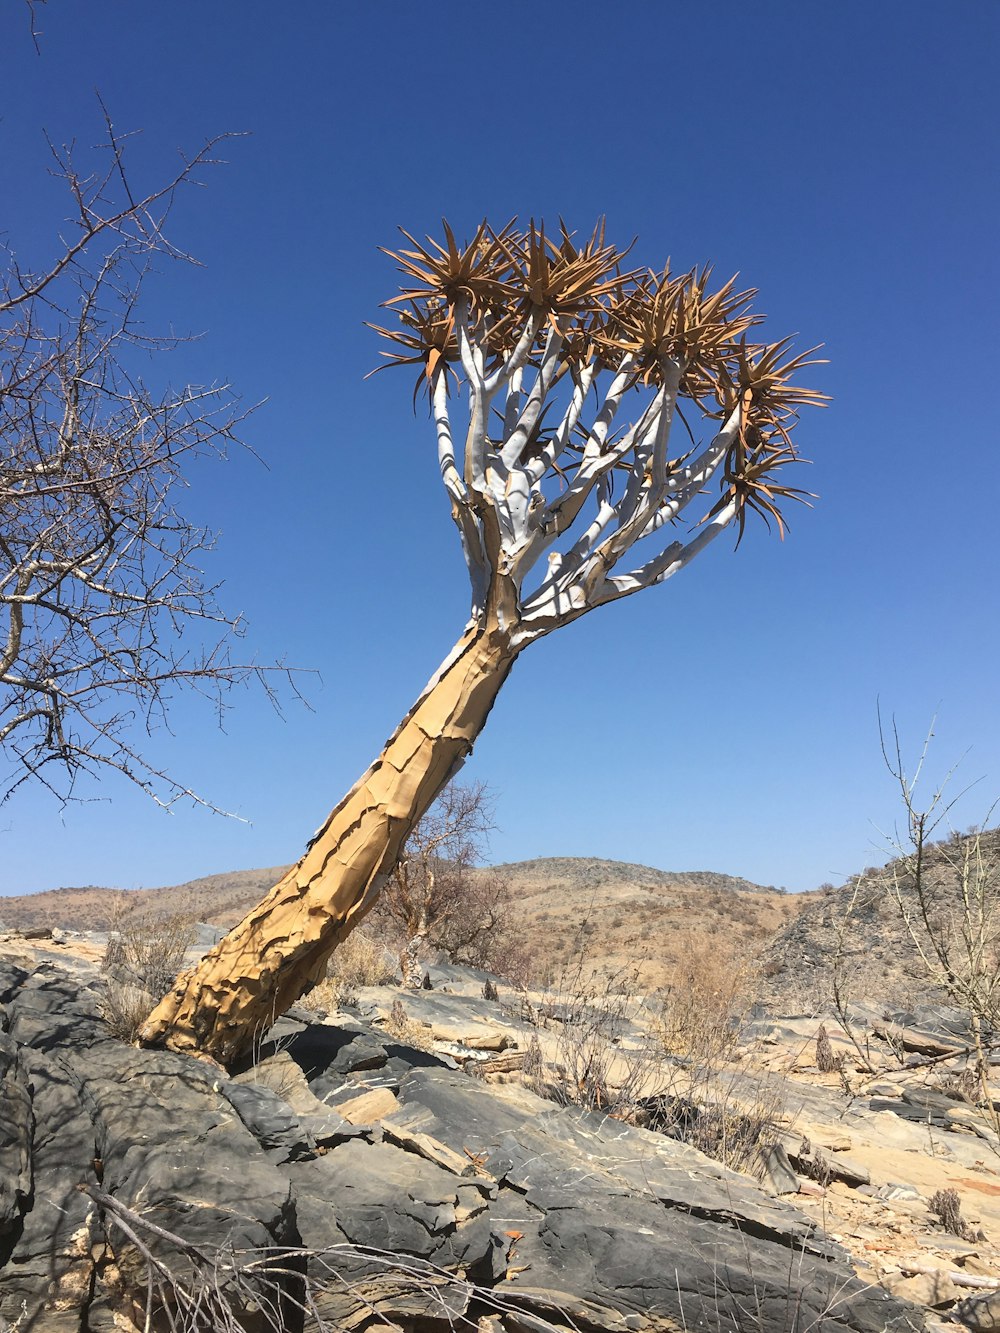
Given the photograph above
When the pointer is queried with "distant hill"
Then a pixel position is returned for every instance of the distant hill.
(218, 899)
(582, 872)
(857, 931)
(616, 913)
(623, 916)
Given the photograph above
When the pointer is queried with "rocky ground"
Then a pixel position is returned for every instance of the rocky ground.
(406, 1170)
(393, 1186)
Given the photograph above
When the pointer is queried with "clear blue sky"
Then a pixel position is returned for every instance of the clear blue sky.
(843, 157)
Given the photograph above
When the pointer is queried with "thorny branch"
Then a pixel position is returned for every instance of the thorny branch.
(100, 585)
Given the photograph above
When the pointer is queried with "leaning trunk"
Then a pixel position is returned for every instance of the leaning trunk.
(281, 948)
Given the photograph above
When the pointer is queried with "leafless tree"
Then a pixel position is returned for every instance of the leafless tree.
(438, 895)
(103, 606)
(566, 492)
(947, 894)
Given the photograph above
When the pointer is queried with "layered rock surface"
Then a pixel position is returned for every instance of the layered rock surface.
(457, 1203)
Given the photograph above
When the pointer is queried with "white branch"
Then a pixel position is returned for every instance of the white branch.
(689, 481)
(667, 563)
(458, 495)
(512, 449)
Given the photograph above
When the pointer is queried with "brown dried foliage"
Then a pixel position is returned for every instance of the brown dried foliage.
(509, 283)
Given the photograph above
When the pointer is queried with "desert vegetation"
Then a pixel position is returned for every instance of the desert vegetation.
(440, 896)
(144, 953)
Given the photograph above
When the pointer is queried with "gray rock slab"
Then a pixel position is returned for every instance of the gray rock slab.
(780, 1171)
(47, 1264)
(148, 1127)
(446, 1013)
(627, 1219)
(327, 1055)
(270, 1120)
(16, 1134)
(567, 1216)
(388, 1199)
(211, 1182)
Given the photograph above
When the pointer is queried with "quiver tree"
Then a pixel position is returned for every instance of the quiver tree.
(554, 379)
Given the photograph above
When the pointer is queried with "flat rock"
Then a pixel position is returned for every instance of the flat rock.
(270, 1120)
(369, 1107)
(934, 1290)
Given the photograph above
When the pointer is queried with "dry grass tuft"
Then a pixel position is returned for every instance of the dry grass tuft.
(685, 1075)
(401, 1026)
(145, 951)
(361, 960)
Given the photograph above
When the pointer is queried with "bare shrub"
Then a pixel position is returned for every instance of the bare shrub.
(362, 960)
(144, 953)
(946, 895)
(101, 590)
(728, 1118)
(440, 897)
(714, 1101)
(683, 1073)
(594, 1069)
(963, 1084)
(707, 999)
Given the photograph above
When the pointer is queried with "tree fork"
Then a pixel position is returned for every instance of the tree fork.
(281, 947)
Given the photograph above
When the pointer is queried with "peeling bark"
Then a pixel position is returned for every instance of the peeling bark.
(413, 972)
(281, 947)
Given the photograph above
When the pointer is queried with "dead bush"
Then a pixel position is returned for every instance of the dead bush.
(707, 999)
(404, 1029)
(144, 953)
(361, 960)
(682, 1072)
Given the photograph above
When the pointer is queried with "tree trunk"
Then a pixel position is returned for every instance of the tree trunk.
(409, 961)
(281, 947)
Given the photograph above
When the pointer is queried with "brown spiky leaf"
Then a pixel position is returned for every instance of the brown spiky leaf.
(564, 280)
(426, 335)
(748, 478)
(478, 273)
